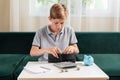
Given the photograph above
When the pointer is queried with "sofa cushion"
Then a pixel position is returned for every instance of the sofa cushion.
(8, 63)
(26, 59)
(98, 42)
(16, 42)
(109, 63)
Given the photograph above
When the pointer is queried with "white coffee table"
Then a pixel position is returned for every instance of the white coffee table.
(85, 73)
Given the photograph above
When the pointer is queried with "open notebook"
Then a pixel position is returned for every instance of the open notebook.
(65, 64)
(36, 69)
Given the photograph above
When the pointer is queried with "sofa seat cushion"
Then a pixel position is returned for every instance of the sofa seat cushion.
(21, 66)
(109, 63)
(8, 63)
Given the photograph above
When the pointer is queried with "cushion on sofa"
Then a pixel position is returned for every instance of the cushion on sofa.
(16, 42)
(8, 63)
(109, 63)
(26, 59)
(98, 42)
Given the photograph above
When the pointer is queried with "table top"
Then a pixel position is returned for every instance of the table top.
(80, 72)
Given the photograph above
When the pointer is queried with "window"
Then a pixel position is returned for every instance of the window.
(87, 7)
(42, 7)
(99, 8)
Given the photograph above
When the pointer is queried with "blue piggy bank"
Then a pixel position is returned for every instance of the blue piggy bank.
(88, 60)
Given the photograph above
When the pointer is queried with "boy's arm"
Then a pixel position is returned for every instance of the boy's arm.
(71, 49)
(36, 51)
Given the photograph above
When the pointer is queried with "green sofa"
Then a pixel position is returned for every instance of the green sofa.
(103, 46)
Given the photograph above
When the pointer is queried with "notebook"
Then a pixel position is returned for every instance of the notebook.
(36, 69)
(65, 64)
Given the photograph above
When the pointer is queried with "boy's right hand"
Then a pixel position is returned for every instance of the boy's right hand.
(54, 51)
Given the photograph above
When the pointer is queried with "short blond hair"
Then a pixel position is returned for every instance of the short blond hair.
(58, 11)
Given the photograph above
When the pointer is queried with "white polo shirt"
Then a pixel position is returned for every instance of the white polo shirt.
(44, 38)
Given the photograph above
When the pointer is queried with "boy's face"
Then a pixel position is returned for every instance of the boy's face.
(57, 24)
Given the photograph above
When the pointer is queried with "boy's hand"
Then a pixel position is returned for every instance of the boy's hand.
(69, 50)
(54, 51)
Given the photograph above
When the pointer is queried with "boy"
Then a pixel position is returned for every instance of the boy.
(55, 42)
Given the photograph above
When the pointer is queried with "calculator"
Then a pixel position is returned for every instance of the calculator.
(65, 64)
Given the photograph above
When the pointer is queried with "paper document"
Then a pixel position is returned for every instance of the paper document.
(37, 69)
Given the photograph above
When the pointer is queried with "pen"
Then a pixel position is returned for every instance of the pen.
(45, 68)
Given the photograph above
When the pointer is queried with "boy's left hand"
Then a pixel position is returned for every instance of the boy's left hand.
(69, 50)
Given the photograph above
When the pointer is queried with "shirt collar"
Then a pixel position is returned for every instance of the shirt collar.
(49, 32)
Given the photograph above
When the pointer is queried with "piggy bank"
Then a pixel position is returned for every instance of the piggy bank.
(88, 60)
